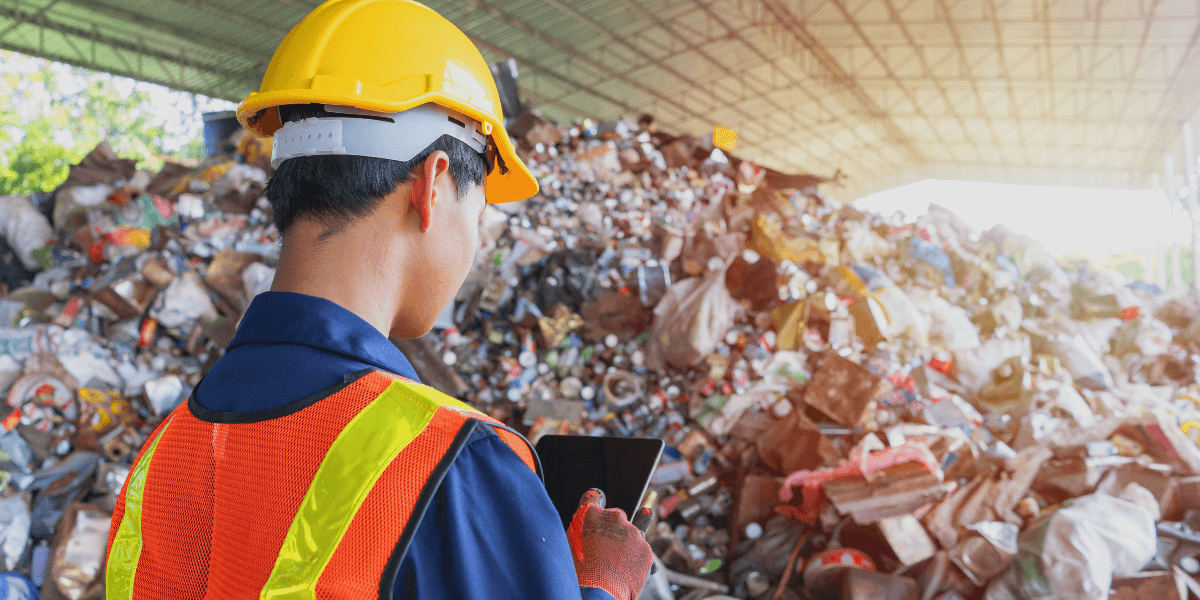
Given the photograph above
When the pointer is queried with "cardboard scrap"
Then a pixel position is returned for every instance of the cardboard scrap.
(1161, 585)
(794, 443)
(908, 539)
(842, 389)
(900, 491)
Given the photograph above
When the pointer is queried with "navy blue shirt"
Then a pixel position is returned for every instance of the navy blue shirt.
(490, 532)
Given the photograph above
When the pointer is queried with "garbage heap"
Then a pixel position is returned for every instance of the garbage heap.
(854, 405)
(119, 290)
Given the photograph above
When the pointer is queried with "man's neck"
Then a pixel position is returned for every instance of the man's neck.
(352, 270)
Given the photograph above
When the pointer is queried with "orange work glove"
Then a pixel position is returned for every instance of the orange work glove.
(610, 553)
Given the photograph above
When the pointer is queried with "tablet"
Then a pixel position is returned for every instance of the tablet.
(620, 467)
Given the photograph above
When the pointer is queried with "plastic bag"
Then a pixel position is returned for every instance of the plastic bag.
(948, 325)
(239, 179)
(58, 487)
(903, 318)
(25, 228)
(1067, 399)
(15, 586)
(691, 320)
(22, 342)
(1147, 337)
(934, 256)
(79, 552)
(768, 239)
(1097, 333)
(257, 278)
(953, 412)
(1082, 362)
(789, 365)
(863, 244)
(1073, 553)
(10, 370)
(184, 301)
(18, 467)
(1009, 312)
(765, 393)
(165, 393)
(86, 360)
(14, 529)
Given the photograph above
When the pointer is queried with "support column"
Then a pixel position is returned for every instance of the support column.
(1192, 202)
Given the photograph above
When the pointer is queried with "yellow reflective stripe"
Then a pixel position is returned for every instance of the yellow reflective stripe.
(449, 402)
(351, 467)
(127, 544)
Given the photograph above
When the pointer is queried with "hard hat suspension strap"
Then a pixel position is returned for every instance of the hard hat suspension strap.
(394, 136)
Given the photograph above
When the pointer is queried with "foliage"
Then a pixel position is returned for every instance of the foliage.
(1130, 264)
(57, 114)
(1185, 263)
(1139, 265)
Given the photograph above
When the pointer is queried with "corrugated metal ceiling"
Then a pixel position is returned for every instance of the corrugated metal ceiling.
(1088, 92)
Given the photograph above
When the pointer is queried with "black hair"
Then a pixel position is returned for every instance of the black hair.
(334, 190)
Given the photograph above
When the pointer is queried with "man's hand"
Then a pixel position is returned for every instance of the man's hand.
(609, 552)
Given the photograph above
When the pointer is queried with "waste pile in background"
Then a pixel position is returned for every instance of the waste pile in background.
(120, 289)
(855, 405)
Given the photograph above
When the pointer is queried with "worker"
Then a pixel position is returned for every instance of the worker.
(309, 462)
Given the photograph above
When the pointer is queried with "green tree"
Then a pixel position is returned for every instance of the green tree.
(57, 114)
(1131, 264)
(31, 163)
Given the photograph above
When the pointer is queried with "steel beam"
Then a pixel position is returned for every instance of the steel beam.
(20, 18)
(1137, 63)
(692, 47)
(794, 38)
(793, 83)
(580, 56)
(1185, 70)
(206, 42)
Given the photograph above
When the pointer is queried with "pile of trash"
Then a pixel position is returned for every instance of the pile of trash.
(855, 405)
(118, 291)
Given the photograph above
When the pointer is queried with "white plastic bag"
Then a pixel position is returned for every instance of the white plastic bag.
(692, 318)
(238, 179)
(25, 228)
(14, 528)
(948, 324)
(765, 393)
(1067, 399)
(863, 244)
(184, 301)
(1082, 362)
(903, 318)
(1074, 553)
(1153, 337)
(86, 360)
(22, 342)
(256, 279)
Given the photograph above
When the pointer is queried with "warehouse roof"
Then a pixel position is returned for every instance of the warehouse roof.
(1083, 92)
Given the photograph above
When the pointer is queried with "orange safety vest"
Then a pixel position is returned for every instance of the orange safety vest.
(316, 499)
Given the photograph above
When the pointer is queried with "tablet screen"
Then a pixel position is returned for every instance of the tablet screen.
(621, 467)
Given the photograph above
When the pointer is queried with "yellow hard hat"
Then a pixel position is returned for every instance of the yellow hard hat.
(387, 57)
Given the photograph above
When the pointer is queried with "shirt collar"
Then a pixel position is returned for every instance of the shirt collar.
(291, 318)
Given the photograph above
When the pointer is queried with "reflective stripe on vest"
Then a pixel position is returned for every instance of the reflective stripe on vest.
(376, 453)
(127, 543)
(350, 469)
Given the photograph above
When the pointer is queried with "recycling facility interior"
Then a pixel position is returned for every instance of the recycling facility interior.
(855, 405)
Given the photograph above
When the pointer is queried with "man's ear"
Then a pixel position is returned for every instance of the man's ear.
(424, 188)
